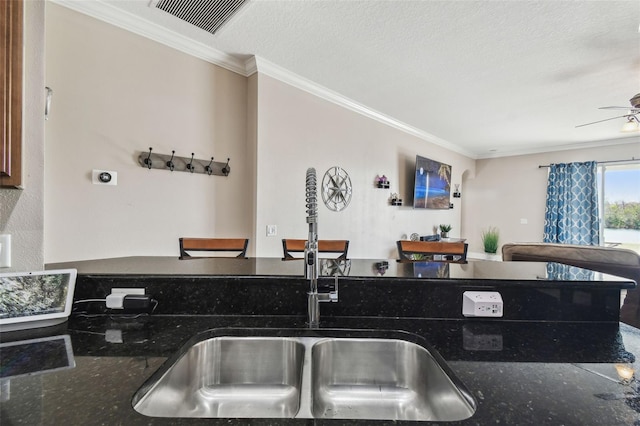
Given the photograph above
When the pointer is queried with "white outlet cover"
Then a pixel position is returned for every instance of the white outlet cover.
(104, 177)
(272, 230)
(482, 304)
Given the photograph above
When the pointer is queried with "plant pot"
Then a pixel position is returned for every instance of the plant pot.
(444, 234)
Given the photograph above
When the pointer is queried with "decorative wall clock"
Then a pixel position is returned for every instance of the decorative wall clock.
(336, 189)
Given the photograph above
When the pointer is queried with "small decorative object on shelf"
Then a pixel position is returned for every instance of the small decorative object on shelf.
(382, 182)
(456, 192)
(444, 230)
(395, 200)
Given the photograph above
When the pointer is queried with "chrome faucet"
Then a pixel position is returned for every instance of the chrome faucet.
(311, 253)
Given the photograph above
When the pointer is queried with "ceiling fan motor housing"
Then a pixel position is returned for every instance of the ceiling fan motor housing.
(635, 101)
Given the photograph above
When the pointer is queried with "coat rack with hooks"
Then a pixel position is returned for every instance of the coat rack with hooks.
(151, 160)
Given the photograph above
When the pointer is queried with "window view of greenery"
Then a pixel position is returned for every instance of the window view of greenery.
(622, 215)
(621, 218)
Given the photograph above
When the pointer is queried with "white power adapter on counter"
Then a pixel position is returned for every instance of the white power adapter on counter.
(482, 304)
(130, 301)
(116, 300)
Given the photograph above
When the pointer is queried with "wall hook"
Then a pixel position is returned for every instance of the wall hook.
(170, 164)
(177, 163)
(190, 165)
(226, 169)
(147, 160)
(208, 168)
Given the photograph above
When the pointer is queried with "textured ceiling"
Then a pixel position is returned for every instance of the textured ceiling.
(492, 78)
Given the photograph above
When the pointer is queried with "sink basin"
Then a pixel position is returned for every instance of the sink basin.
(230, 377)
(305, 374)
(382, 379)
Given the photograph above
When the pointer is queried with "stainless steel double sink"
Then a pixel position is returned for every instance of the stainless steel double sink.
(338, 374)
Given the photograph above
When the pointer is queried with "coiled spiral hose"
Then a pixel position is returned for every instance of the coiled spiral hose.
(311, 195)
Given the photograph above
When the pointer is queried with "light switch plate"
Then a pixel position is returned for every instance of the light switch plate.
(5, 250)
(272, 230)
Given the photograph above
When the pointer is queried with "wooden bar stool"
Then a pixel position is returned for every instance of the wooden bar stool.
(324, 246)
(431, 250)
(231, 245)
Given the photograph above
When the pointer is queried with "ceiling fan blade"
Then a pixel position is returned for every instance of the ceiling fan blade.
(630, 109)
(606, 119)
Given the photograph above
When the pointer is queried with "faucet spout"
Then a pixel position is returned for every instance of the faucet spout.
(311, 261)
(311, 247)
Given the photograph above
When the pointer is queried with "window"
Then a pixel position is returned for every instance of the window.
(619, 186)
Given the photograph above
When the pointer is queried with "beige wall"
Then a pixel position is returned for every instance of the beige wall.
(116, 94)
(508, 189)
(22, 210)
(297, 130)
(252, 160)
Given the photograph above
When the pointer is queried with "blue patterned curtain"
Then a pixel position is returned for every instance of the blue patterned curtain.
(559, 271)
(571, 215)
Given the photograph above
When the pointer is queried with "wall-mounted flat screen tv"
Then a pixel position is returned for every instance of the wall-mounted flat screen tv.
(432, 186)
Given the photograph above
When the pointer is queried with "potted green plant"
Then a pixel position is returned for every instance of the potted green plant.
(490, 238)
(444, 231)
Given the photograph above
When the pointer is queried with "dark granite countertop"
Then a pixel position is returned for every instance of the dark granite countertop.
(531, 374)
(476, 270)
(557, 357)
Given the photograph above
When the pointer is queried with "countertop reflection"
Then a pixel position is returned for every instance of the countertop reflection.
(354, 268)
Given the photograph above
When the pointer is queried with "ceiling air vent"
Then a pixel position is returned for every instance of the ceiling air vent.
(208, 15)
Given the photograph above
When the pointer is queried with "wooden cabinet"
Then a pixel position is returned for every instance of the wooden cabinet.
(11, 37)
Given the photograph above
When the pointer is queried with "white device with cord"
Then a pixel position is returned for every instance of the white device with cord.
(36, 299)
(115, 300)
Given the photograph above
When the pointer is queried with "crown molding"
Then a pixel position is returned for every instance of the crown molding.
(251, 66)
(272, 70)
(132, 23)
(127, 21)
(565, 147)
